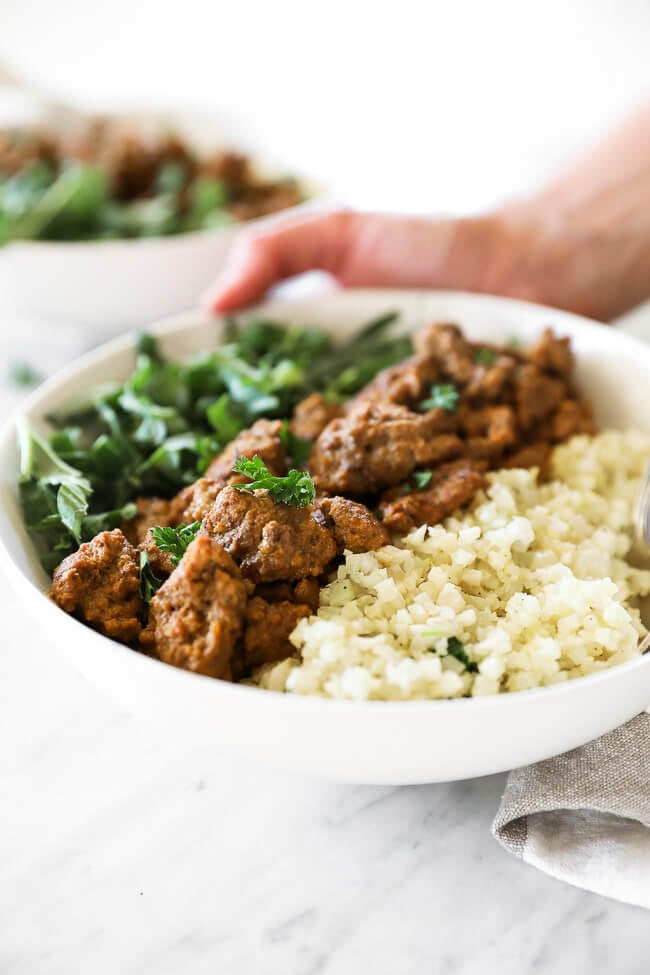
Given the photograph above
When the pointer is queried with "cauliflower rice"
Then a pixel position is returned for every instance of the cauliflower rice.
(532, 580)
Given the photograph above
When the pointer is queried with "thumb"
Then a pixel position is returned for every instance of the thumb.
(259, 259)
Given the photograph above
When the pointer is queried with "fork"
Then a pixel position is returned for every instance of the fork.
(640, 550)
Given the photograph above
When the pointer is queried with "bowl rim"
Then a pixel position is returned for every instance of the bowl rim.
(189, 320)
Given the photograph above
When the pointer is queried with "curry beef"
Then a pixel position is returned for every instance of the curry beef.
(390, 459)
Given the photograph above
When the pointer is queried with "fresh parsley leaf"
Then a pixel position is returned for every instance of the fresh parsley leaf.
(485, 357)
(455, 648)
(297, 448)
(223, 420)
(443, 396)
(149, 581)
(39, 462)
(106, 521)
(297, 489)
(422, 479)
(175, 540)
(514, 342)
(147, 345)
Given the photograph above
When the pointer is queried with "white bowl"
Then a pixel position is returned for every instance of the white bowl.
(118, 284)
(376, 742)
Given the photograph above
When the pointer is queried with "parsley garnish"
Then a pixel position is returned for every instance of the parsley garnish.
(514, 342)
(296, 489)
(485, 357)
(175, 540)
(297, 448)
(422, 479)
(443, 396)
(455, 648)
(149, 581)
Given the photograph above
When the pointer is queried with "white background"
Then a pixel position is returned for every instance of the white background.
(410, 104)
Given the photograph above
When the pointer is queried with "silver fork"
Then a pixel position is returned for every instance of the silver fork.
(640, 550)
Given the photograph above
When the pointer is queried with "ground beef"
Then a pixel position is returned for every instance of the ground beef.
(100, 584)
(534, 455)
(552, 353)
(262, 439)
(130, 163)
(262, 199)
(571, 418)
(268, 627)
(304, 591)
(20, 149)
(536, 395)
(152, 512)
(197, 615)
(445, 344)
(312, 415)
(491, 382)
(194, 501)
(450, 488)
(490, 430)
(407, 383)
(377, 445)
(354, 527)
(229, 167)
(271, 542)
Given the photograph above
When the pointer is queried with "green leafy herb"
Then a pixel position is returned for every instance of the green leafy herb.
(24, 375)
(296, 489)
(70, 489)
(442, 396)
(455, 648)
(223, 419)
(514, 342)
(175, 540)
(297, 448)
(422, 479)
(149, 581)
(485, 357)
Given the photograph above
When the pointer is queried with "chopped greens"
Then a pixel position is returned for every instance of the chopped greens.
(422, 479)
(485, 357)
(158, 431)
(297, 448)
(443, 396)
(455, 648)
(149, 581)
(175, 541)
(67, 199)
(296, 489)
(55, 499)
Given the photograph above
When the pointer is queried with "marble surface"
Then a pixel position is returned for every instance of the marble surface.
(120, 855)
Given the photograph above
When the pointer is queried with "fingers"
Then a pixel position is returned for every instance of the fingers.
(262, 258)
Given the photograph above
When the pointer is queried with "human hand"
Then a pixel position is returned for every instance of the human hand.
(526, 252)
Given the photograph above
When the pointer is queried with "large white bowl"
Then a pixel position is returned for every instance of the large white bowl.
(377, 742)
(118, 284)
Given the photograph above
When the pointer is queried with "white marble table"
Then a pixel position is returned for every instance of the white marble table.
(120, 855)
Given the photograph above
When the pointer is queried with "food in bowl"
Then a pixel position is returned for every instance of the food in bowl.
(214, 500)
(108, 181)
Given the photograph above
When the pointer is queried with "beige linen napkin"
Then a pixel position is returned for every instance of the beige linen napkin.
(584, 817)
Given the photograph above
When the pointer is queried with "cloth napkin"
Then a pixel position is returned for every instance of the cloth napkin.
(584, 817)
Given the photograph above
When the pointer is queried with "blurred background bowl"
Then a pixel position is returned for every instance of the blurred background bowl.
(117, 284)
